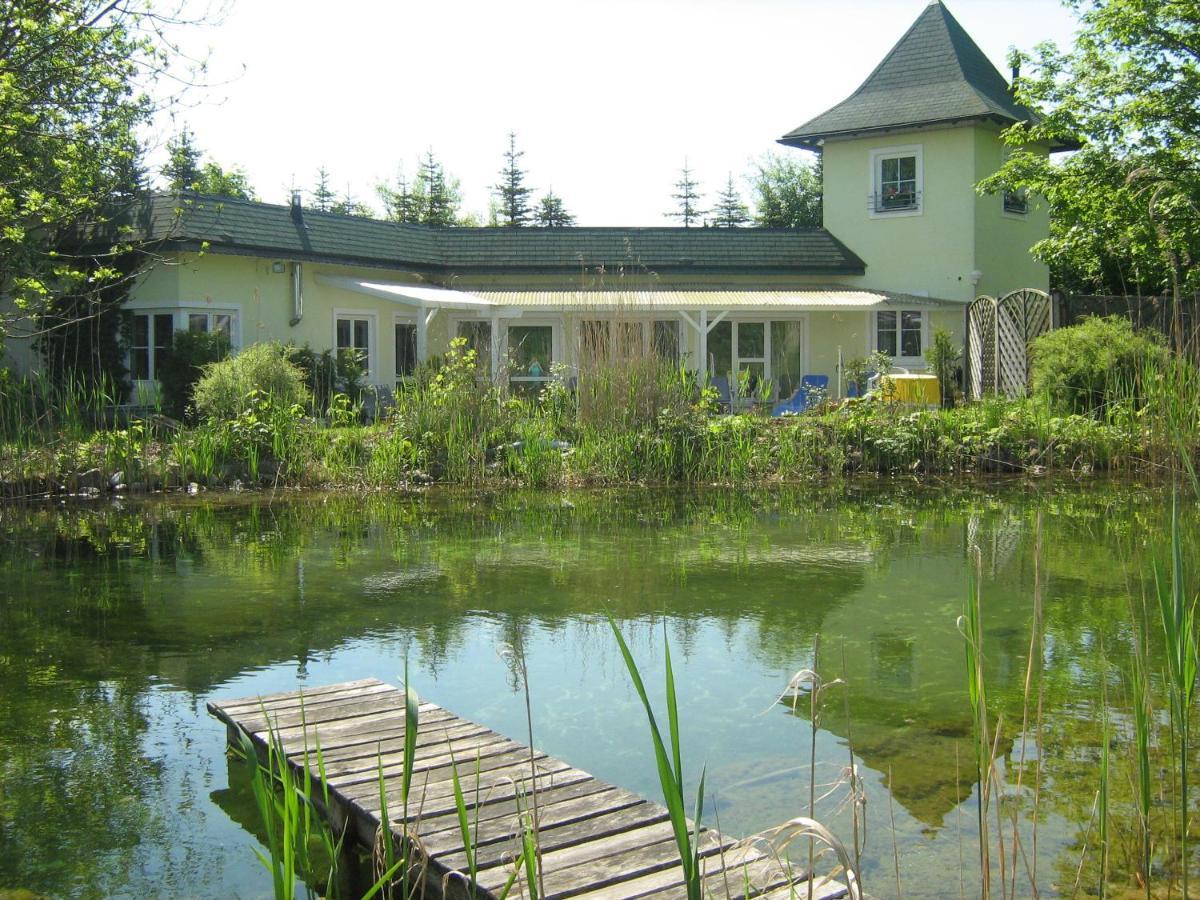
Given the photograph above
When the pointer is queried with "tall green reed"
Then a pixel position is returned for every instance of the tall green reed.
(1178, 616)
(670, 766)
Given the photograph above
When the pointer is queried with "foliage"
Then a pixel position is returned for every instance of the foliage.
(181, 366)
(1124, 206)
(787, 192)
(322, 197)
(70, 110)
(687, 198)
(432, 199)
(551, 213)
(730, 211)
(1079, 368)
(227, 388)
(943, 357)
(185, 172)
(511, 191)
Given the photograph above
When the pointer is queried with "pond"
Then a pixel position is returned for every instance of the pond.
(118, 622)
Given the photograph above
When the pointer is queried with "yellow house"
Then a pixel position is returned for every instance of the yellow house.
(906, 244)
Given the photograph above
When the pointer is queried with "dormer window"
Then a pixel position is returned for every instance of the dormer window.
(896, 176)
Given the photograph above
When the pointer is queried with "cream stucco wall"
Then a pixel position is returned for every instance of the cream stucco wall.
(1003, 240)
(263, 301)
(928, 252)
(956, 232)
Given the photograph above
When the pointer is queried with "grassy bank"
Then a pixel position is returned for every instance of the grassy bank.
(637, 422)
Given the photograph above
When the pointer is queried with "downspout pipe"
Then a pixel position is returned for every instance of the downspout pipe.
(297, 294)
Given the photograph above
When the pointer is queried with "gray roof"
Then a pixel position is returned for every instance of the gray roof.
(934, 74)
(225, 225)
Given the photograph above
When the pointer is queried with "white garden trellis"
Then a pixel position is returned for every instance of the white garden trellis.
(999, 333)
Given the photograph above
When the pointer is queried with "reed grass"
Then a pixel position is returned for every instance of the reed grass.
(670, 766)
(1178, 617)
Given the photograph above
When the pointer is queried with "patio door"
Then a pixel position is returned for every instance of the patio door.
(752, 351)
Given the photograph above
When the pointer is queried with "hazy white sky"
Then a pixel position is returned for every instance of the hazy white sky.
(607, 98)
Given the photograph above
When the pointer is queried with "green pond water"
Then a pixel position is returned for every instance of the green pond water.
(117, 623)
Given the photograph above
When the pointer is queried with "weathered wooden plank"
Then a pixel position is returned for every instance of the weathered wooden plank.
(560, 825)
(357, 746)
(595, 840)
(462, 751)
(252, 705)
(823, 889)
(290, 696)
(669, 880)
(494, 811)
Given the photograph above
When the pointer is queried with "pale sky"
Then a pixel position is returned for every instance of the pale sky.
(607, 98)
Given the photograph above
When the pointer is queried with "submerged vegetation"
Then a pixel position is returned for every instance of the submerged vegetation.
(1127, 407)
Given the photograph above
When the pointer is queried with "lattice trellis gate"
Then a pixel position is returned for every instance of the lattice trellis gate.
(998, 336)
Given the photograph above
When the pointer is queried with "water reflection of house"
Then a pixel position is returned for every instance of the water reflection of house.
(905, 661)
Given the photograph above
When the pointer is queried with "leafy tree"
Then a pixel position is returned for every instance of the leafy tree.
(787, 192)
(730, 211)
(1125, 206)
(225, 182)
(72, 75)
(348, 205)
(512, 191)
(687, 196)
(551, 213)
(184, 171)
(182, 168)
(432, 198)
(322, 196)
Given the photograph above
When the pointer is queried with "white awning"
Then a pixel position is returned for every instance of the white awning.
(411, 294)
(816, 299)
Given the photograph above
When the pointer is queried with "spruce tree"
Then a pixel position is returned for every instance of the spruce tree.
(551, 213)
(182, 169)
(399, 202)
(437, 197)
(322, 195)
(730, 211)
(514, 195)
(687, 196)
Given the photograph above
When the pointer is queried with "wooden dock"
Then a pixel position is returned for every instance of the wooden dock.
(596, 840)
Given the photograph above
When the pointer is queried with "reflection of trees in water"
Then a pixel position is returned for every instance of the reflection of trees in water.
(141, 590)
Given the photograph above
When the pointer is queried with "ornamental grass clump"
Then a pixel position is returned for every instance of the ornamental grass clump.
(238, 384)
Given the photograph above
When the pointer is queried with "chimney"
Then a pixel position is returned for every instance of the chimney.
(1016, 73)
(297, 208)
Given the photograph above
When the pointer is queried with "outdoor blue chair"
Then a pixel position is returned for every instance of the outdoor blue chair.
(724, 398)
(798, 402)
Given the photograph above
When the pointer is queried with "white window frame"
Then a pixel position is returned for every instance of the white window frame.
(179, 311)
(372, 318)
(151, 350)
(234, 322)
(494, 359)
(556, 329)
(875, 180)
(908, 362)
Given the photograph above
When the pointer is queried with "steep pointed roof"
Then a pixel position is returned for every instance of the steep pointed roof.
(936, 73)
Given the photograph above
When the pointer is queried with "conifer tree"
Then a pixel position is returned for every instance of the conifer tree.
(551, 213)
(399, 202)
(436, 196)
(182, 169)
(687, 196)
(512, 192)
(730, 211)
(322, 195)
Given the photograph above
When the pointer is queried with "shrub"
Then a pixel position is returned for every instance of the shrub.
(182, 365)
(232, 386)
(1082, 367)
(943, 358)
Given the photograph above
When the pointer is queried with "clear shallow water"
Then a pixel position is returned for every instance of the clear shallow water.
(116, 625)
